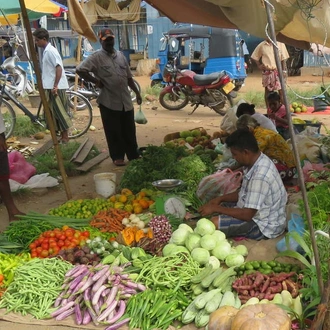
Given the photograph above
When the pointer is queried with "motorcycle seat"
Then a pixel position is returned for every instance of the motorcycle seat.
(208, 79)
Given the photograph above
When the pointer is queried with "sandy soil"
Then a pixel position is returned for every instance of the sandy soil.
(160, 123)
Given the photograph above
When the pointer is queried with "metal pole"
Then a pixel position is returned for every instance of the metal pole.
(44, 101)
(295, 149)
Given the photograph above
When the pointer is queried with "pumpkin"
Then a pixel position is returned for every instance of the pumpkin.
(261, 317)
(131, 235)
(222, 318)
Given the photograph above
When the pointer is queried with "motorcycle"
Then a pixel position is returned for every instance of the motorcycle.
(88, 89)
(18, 85)
(214, 90)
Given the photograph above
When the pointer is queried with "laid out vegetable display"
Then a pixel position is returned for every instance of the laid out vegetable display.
(35, 287)
(96, 294)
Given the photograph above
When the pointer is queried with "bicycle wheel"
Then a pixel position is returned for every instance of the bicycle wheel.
(9, 117)
(133, 96)
(81, 119)
(81, 105)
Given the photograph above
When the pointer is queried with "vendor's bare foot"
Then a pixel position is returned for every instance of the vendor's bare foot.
(15, 217)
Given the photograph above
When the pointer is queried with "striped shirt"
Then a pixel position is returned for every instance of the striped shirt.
(263, 190)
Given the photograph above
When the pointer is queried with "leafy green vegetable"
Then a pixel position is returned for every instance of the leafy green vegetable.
(159, 162)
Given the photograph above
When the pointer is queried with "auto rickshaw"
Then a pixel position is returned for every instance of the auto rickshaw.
(203, 50)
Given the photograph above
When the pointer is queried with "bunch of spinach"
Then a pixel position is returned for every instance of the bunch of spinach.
(160, 162)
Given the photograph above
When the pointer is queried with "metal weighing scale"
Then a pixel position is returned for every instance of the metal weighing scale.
(169, 203)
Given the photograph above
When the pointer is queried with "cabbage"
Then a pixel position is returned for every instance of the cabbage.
(222, 250)
(193, 241)
(219, 235)
(179, 236)
(208, 242)
(242, 250)
(204, 226)
(168, 248)
(178, 249)
(200, 255)
(186, 227)
(214, 262)
(234, 260)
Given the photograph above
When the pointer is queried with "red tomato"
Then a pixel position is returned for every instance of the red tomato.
(85, 233)
(60, 243)
(62, 237)
(34, 254)
(69, 233)
(44, 254)
(56, 250)
(76, 235)
(67, 243)
(52, 244)
(75, 241)
(32, 245)
(51, 234)
(50, 251)
(45, 246)
(39, 249)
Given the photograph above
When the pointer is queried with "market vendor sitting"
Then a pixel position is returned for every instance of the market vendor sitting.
(271, 144)
(257, 209)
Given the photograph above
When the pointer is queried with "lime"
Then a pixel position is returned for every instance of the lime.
(272, 264)
(265, 265)
(256, 264)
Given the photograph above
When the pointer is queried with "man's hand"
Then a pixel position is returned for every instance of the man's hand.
(138, 99)
(3, 144)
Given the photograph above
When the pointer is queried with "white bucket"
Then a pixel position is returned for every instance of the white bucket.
(105, 184)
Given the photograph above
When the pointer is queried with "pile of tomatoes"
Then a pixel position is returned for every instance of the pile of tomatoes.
(50, 242)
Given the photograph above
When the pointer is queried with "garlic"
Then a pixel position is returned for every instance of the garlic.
(125, 221)
(140, 224)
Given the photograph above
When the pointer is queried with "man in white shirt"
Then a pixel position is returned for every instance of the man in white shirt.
(5, 192)
(55, 83)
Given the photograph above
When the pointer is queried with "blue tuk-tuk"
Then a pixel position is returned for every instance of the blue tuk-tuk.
(203, 50)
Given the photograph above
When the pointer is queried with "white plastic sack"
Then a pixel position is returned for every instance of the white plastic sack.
(37, 181)
(228, 123)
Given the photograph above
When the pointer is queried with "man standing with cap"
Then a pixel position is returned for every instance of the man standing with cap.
(109, 70)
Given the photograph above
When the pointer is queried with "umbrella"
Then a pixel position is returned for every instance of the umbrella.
(10, 10)
(296, 22)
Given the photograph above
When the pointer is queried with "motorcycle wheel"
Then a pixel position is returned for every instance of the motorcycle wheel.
(223, 110)
(173, 101)
(133, 96)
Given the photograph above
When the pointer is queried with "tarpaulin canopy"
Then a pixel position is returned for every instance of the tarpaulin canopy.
(297, 22)
(10, 10)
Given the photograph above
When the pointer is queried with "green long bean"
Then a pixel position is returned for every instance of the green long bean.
(35, 287)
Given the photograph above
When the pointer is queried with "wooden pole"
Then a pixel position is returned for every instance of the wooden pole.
(295, 151)
(43, 99)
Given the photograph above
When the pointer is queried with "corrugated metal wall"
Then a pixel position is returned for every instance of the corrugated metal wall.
(156, 27)
(311, 60)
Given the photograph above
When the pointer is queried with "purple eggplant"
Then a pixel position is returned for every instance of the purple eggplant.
(87, 317)
(119, 314)
(65, 314)
(100, 273)
(103, 279)
(78, 314)
(112, 295)
(63, 309)
(75, 271)
(107, 311)
(118, 325)
(97, 294)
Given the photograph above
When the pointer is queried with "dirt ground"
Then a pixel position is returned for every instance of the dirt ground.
(160, 123)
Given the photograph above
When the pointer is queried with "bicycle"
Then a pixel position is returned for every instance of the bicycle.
(81, 119)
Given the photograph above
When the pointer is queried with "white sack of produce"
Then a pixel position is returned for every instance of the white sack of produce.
(37, 181)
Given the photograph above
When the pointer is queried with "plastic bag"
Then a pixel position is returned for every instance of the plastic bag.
(20, 169)
(140, 118)
(228, 123)
(219, 183)
(296, 224)
(37, 181)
